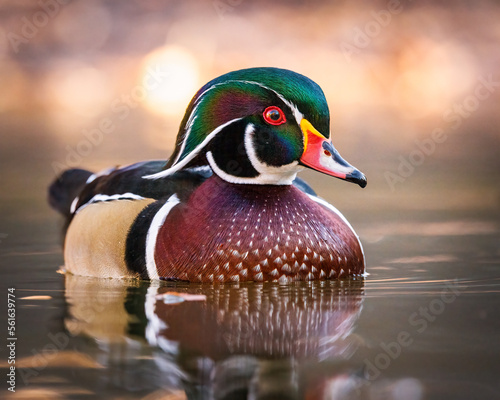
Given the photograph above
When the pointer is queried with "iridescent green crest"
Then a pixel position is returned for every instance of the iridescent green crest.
(240, 94)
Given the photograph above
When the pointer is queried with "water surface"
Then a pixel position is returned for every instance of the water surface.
(422, 325)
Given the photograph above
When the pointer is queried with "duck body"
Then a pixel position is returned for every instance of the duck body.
(228, 232)
(228, 205)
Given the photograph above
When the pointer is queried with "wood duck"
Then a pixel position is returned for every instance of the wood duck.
(227, 206)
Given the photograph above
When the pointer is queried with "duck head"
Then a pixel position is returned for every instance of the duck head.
(259, 126)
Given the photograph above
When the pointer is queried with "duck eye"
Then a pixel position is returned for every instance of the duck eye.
(274, 115)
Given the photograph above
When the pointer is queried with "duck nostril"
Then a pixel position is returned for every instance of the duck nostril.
(327, 153)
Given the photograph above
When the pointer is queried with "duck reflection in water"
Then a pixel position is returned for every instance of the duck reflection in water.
(229, 341)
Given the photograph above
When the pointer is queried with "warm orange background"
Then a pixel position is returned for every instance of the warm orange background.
(393, 72)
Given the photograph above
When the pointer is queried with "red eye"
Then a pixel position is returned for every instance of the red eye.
(274, 116)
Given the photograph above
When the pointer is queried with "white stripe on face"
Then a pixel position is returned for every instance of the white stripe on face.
(268, 174)
(193, 154)
(192, 117)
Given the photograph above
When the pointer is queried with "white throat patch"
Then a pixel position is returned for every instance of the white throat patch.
(268, 174)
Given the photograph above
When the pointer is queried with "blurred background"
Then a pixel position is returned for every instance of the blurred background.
(413, 87)
(414, 95)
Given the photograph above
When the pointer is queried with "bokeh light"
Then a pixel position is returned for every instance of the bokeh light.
(74, 92)
(139, 63)
(75, 34)
(433, 74)
(170, 76)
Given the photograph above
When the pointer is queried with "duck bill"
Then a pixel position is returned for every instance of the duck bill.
(319, 154)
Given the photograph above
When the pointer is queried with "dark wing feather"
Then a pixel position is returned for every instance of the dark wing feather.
(65, 188)
(130, 180)
(71, 184)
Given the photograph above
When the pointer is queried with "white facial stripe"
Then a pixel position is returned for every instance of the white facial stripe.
(152, 235)
(337, 212)
(283, 175)
(267, 179)
(190, 156)
(189, 125)
(192, 117)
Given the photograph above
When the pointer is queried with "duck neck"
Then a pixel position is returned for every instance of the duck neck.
(216, 190)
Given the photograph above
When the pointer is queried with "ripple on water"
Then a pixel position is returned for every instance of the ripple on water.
(411, 286)
(374, 234)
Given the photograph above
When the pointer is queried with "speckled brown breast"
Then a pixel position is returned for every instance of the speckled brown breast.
(228, 232)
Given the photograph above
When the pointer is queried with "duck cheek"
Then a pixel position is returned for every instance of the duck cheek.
(261, 142)
(274, 148)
